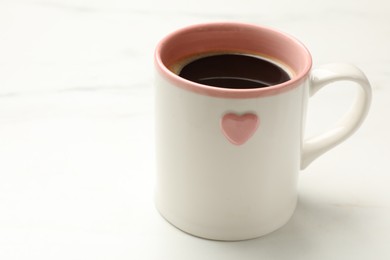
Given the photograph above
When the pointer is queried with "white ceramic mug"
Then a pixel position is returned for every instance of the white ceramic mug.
(228, 159)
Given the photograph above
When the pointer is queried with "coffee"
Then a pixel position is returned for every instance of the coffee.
(235, 71)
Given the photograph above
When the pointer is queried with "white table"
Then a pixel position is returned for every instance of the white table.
(76, 132)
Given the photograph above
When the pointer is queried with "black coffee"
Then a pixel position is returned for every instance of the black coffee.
(237, 71)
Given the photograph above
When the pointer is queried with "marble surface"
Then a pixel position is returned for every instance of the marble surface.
(76, 131)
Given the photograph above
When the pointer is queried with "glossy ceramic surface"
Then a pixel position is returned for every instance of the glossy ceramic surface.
(228, 160)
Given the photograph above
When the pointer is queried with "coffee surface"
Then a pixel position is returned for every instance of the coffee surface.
(237, 71)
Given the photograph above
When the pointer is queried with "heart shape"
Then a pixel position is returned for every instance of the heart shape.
(239, 128)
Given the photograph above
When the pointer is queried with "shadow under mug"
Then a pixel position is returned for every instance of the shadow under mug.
(228, 159)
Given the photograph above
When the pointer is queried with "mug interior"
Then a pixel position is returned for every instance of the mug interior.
(233, 37)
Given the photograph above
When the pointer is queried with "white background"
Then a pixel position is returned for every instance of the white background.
(76, 131)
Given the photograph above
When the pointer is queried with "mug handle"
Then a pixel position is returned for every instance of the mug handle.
(315, 146)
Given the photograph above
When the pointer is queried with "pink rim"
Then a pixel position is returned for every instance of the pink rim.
(240, 37)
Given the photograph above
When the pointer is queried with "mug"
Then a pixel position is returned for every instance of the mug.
(228, 159)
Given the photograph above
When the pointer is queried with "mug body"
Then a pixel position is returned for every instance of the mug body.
(228, 159)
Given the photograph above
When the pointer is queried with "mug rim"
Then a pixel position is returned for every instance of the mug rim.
(203, 89)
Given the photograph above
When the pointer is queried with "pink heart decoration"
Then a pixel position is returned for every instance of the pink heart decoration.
(239, 128)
